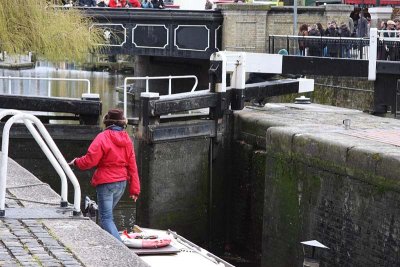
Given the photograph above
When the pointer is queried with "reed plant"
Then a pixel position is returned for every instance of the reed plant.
(54, 34)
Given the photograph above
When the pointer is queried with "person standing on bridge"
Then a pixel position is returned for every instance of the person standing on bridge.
(158, 3)
(113, 154)
(118, 3)
(134, 3)
(147, 4)
(208, 5)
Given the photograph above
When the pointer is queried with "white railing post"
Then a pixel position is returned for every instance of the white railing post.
(125, 97)
(373, 51)
(220, 56)
(49, 88)
(147, 84)
(9, 85)
(169, 85)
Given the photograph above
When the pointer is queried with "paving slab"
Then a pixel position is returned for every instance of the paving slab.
(370, 144)
(37, 232)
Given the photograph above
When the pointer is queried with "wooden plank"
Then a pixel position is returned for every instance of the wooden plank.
(271, 88)
(51, 104)
(181, 130)
(324, 66)
(190, 102)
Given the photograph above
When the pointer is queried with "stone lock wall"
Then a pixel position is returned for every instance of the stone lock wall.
(320, 183)
(351, 209)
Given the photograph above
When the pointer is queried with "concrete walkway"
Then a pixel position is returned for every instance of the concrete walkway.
(36, 234)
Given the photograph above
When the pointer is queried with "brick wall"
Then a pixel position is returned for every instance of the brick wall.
(247, 27)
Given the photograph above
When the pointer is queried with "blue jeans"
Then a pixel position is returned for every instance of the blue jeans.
(108, 196)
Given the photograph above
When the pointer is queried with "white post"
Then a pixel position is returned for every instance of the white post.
(48, 88)
(169, 85)
(239, 74)
(9, 85)
(220, 56)
(373, 48)
(125, 96)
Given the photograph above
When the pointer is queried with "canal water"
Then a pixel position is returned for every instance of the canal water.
(103, 83)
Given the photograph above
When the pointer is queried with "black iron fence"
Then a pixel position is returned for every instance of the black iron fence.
(338, 47)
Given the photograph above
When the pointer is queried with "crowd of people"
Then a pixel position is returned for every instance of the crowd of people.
(358, 25)
(389, 50)
(116, 3)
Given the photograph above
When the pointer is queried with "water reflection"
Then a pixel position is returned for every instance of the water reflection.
(103, 83)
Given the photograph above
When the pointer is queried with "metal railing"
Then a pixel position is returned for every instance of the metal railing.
(10, 78)
(147, 78)
(48, 147)
(320, 46)
(388, 46)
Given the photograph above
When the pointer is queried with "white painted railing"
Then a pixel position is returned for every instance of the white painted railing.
(51, 151)
(10, 78)
(147, 78)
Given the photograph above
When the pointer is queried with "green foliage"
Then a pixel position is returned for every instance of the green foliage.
(51, 33)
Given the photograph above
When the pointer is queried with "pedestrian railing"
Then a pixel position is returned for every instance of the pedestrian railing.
(147, 79)
(388, 46)
(49, 82)
(319, 46)
(51, 151)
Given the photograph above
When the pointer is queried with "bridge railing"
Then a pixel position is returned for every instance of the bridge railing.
(319, 46)
(388, 46)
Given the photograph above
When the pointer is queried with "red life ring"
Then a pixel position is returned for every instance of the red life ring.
(140, 240)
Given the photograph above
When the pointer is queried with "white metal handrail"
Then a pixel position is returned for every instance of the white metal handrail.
(54, 150)
(147, 78)
(46, 150)
(10, 78)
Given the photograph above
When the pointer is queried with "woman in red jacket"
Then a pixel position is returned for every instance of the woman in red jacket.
(117, 3)
(113, 155)
(135, 3)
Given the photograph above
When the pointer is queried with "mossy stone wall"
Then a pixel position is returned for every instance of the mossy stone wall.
(327, 186)
(174, 181)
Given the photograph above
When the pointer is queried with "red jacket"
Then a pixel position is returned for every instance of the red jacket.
(116, 3)
(113, 155)
(135, 3)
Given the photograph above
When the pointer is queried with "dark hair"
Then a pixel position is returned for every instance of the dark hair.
(303, 27)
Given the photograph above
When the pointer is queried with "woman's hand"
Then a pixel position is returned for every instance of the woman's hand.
(134, 197)
(72, 162)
